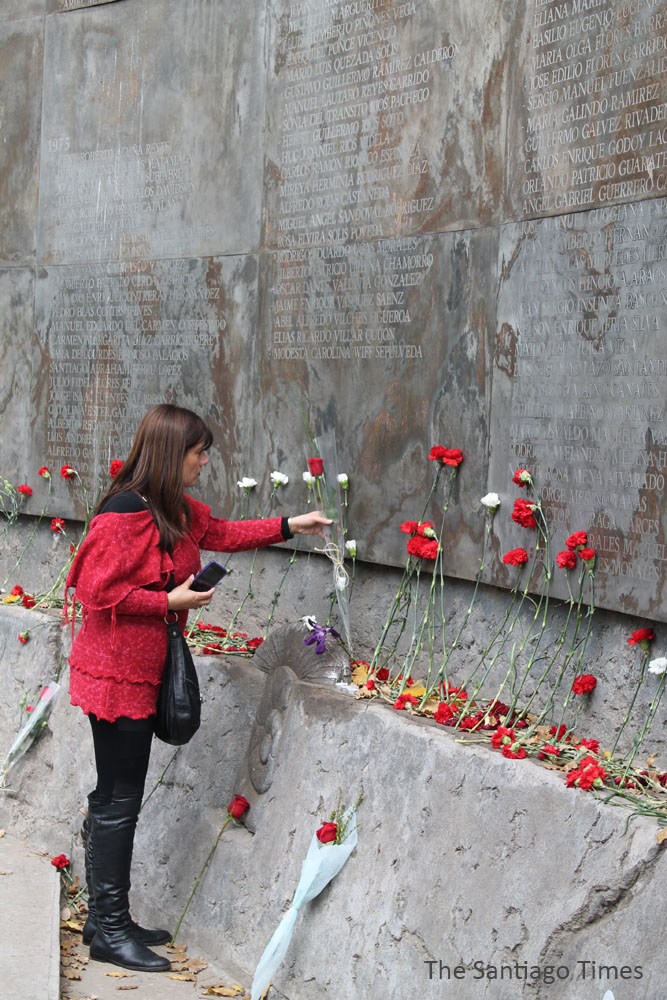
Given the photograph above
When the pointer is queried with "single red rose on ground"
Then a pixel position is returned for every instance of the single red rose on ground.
(522, 477)
(584, 684)
(502, 736)
(515, 557)
(327, 833)
(57, 524)
(587, 554)
(60, 862)
(576, 538)
(237, 806)
(315, 466)
(25, 490)
(423, 548)
(523, 513)
(115, 467)
(28, 601)
(67, 472)
(44, 472)
(641, 635)
(16, 591)
(566, 559)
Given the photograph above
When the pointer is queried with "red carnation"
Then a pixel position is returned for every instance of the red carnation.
(576, 538)
(60, 862)
(44, 472)
(254, 643)
(410, 527)
(558, 732)
(566, 559)
(25, 490)
(523, 513)
(402, 701)
(67, 472)
(522, 477)
(502, 736)
(237, 807)
(16, 591)
(382, 674)
(327, 833)
(548, 750)
(589, 773)
(115, 467)
(423, 548)
(425, 529)
(57, 524)
(587, 554)
(515, 557)
(316, 466)
(24, 636)
(641, 635)
(514, 752)
(370, 684)
(28, 601)
(448, 456)
(593, 745)
(445, 714)
(584, 684)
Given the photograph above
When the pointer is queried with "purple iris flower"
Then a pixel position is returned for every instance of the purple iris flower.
(319, 635)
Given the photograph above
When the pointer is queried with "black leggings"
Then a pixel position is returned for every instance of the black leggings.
(122, 752)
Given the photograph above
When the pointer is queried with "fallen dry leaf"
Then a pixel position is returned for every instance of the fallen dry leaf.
(661, 835)
(71, 974)
(363, 692)
(65, 913)
(359, 674)
(185, 977)
(2, 833)
(128, 987)
(177, 947)
(651, 760)
(198, 965)
(119, 974)
(225, 991)
(72, 925)
(417, 691)
(6, 873)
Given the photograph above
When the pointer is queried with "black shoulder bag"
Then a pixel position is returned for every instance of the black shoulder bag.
(178, 713)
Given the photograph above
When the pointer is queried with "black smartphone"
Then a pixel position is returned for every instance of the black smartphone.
(207, 578)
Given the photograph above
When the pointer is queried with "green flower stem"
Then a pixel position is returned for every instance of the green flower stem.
(395, 607)
(577, 668)
(161, 778)
(637, 742)
(199, 878)
(645, 655)
(276, 596)
(249, 594)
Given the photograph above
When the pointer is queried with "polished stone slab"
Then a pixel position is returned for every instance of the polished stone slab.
(21, 374)
(580, 387)
(387, 343)
(589, 112)
(12, 10)
(118, 338)
(21, 55)
(384, 119)
(151, 130)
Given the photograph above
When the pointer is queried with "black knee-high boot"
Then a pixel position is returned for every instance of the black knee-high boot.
(143, 934)
(111, 826)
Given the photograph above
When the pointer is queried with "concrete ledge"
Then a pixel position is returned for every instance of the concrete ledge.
(30, 919)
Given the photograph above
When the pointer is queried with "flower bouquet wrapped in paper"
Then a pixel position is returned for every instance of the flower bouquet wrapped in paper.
(31, 728)
(329, 849)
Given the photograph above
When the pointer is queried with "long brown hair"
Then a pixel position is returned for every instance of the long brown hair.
(154, 467)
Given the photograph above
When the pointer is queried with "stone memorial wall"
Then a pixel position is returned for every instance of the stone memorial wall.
(427, 223)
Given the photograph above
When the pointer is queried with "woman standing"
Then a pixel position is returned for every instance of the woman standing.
(135, 565)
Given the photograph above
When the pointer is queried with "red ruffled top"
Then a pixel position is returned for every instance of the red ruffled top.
(118, 577)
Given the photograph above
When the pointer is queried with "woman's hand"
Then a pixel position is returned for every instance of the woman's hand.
(181, 598)
(312, 523)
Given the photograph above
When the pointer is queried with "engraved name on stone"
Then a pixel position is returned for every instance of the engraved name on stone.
(595, 91)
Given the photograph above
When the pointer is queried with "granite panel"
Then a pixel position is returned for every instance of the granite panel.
(12, 10)
(580, 386)
(384, 119)
(21, 48)
(120, 337)
(150, 131)
(590, 107)
(20, 374)
(62, 6)
(388, 343)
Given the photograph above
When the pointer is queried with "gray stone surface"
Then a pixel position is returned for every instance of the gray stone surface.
(12, 10)
(579, 391)
(587, 121)
(21, 56)
(160, 105)
(453, 862)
